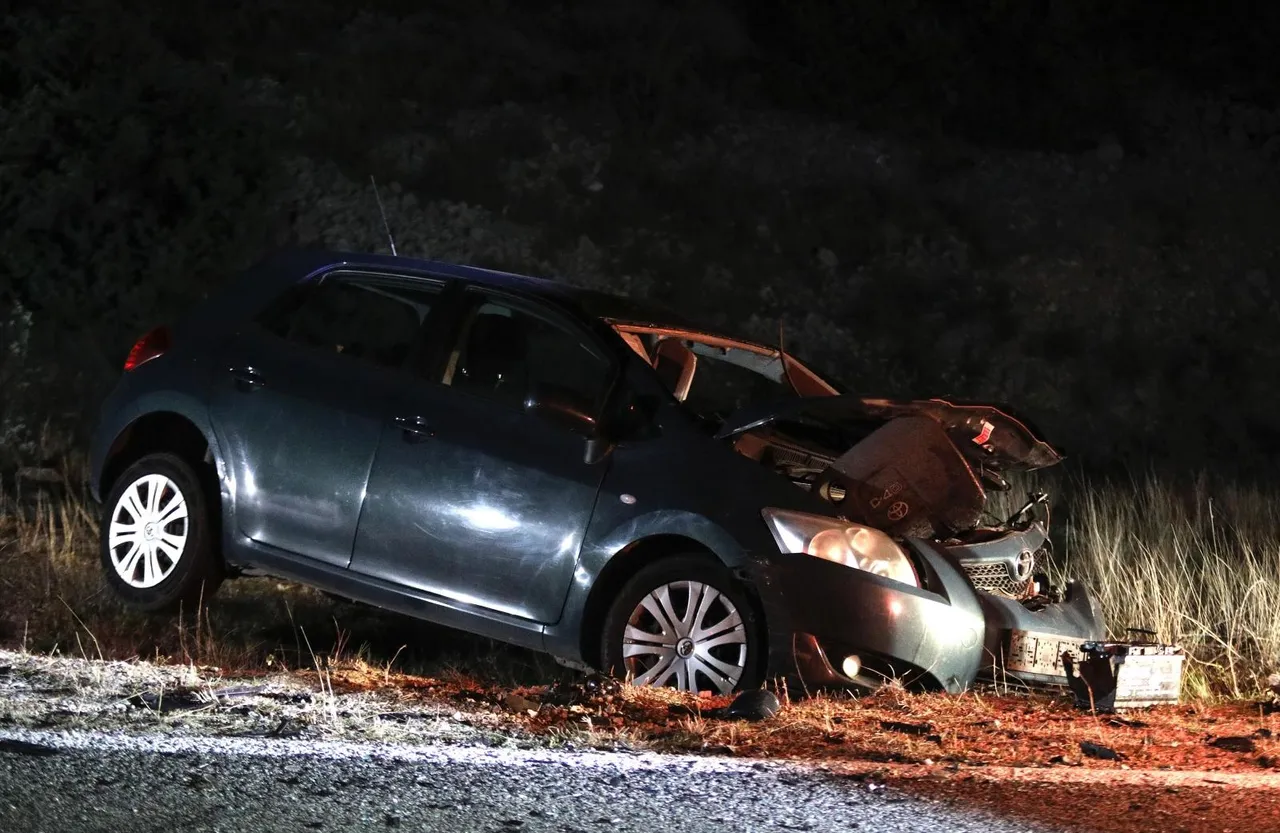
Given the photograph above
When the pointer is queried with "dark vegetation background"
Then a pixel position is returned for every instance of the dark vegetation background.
(1070, 206)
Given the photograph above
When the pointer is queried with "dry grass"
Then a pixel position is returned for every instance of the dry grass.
(1199, 565)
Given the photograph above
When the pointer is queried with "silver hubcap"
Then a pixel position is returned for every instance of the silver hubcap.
(688, 635)
(148, 531)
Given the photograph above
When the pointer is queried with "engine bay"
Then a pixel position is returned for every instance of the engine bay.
(1004, 557)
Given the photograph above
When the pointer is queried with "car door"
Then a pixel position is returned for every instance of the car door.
(472, 497)
(300, 404)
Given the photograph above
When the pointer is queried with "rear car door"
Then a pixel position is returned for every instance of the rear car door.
(301, 399)
(472, 497)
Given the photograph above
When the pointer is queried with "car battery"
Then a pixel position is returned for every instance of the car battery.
(1108, 676)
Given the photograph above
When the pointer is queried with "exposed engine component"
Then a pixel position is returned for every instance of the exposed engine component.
(923, 470)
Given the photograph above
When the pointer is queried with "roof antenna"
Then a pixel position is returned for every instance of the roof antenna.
(383, 212)
(782, 356)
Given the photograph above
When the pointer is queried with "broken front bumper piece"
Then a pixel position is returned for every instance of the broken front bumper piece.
(1124, 675)
(836, 627)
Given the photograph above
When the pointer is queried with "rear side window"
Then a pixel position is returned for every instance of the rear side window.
(367, 319)
(508, 350)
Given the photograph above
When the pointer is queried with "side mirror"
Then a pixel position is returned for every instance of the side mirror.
(597, 449)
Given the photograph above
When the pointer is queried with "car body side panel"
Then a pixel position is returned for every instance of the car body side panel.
(489, 509)
(258, 558)
(299, 448)
(682, 484)
(119, 417)
(175, 383)
(178, 381)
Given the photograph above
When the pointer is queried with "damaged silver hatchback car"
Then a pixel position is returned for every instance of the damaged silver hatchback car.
(576, 473)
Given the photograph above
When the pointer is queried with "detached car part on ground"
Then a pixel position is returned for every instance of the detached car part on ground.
(576, 473)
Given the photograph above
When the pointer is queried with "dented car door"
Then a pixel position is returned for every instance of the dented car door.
(475, 497)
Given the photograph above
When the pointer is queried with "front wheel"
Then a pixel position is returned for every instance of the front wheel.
(684, 622)
(157, 547)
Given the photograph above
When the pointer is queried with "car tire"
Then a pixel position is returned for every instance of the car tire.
(719, 646)
(158, 542)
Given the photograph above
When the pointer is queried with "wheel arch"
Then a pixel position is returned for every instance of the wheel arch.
(174, 432)
(628, 561)
(156, 431)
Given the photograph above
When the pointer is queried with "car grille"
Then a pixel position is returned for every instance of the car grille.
(997, 577)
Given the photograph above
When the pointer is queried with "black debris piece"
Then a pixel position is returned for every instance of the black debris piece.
(1097, 750)
(756, 704)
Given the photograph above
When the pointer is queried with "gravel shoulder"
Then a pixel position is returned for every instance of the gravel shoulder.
(71, 782)
(104, 745)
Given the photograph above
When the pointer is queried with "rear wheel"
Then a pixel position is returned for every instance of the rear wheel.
(684, 622)
(157, 547)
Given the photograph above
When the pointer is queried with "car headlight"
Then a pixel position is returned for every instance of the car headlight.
(852, 545)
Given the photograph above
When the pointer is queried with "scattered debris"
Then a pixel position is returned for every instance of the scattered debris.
(1124, 675)
(1127, 723)
(594, 688)
(907, 728)
(168, 701)
(356, 701)
(1097, 750)
(756, 704)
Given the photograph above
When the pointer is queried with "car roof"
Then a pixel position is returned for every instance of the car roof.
(597, 304)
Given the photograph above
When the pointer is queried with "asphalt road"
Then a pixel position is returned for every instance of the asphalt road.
(69, 782)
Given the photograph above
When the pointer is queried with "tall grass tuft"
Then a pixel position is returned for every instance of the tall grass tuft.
(1198, 564)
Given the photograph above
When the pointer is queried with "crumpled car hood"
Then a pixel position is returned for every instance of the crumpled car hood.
(989, 434)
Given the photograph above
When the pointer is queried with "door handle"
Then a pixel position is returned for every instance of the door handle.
(416, 428)
(247, 378)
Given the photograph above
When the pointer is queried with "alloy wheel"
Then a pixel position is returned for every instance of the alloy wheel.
(686, 633)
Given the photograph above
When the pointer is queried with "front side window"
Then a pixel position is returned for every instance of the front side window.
(367, 319)
(508, 351)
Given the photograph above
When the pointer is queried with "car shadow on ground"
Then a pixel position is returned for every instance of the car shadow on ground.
(270, 621)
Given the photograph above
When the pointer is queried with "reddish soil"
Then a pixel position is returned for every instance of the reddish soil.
(932, 731)
(1017, 756)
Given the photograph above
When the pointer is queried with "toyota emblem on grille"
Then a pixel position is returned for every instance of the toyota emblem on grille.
(1025, 563)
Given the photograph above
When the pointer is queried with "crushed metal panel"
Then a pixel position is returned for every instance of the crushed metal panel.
(908, 479)
(1125, 675)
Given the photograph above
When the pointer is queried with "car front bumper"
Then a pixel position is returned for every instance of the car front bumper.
(945, 637)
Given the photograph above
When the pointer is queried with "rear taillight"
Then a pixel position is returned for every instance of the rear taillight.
(151, 345)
